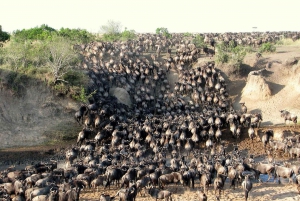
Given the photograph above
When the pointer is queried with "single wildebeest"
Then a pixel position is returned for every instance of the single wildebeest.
(173, 177)
(42, 191)
(286, 115)
(219, 183)
(160, 194)
(233, 176)
(283, 172)
(261, 168)
(83, 110)
(247, 184)
(266, 137)
(205, 180)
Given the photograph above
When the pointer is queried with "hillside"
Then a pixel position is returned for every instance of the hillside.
(31, 114)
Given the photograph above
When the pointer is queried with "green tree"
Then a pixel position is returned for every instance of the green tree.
(4, 35)
(43, 32)
(163, 31)
(128, 34)
(76, 35)
(199, 41)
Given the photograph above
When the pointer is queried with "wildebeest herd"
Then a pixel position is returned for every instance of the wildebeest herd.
(169, 133)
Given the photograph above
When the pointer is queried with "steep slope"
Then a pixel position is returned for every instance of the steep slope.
(31, 114)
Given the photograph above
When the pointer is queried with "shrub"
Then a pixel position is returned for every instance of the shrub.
(163, 31)
(267, 47)
(76, 35)
(231, 53)
(44, 32)
(199, 41)
(4, 36)
(81, 94)
(128, 34)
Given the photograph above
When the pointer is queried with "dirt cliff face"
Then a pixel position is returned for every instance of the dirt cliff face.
(32, 115)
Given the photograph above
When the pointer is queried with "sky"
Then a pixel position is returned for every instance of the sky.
(195, 16)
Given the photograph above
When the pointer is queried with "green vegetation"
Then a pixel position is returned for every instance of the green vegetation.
(42, 32)
(231, 53)
(3, 35)
(46, 54)
(46, 33)
(83, 96)
(163, 31)
(76, 35)
(267, 47)
(199, 41)
(188, 34)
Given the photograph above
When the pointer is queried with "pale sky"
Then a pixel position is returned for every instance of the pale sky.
(147, 15)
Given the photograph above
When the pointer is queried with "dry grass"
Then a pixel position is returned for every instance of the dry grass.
(288, 42)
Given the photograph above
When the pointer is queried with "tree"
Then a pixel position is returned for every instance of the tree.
(76, 35)
(128, 34)
(111, 31)
(3, 35)
(18, 53)
(112, 27)
(163, 31)
(43, 32)
(61, 57)
(199, 41)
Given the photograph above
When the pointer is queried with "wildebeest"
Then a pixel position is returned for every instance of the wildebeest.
(160, 194)
(286, 115)
(219, 183)
(247, 185)
(283, 172)
(266, 137)
(83, 110)
(261, 168)
(173, 177)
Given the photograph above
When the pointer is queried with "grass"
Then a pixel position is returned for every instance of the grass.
(288, 42)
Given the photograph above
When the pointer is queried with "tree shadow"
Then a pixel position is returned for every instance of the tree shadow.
(275, 88)
(284, 195)
(267, 123)
(255, 111)
(267, 73)
(281, 52)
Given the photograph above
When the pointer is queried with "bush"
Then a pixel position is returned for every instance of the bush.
(81, 94)
(199, 41)
(76, 35)
(222, 58)
(75, 78)
(267, 47)
(44, 32)
(231, 53)
(4, 36)
(163, 31)
(128, 34)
